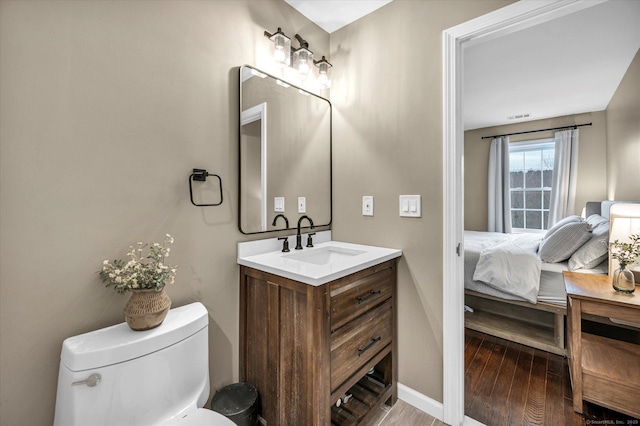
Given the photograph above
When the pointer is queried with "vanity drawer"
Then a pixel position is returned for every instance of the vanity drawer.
(351, 299)
(357, 342)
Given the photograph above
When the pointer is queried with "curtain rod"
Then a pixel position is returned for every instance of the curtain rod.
(574, 126)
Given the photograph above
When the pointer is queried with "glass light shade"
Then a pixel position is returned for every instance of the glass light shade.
(281, 49)
(302, 62)
(324, 73)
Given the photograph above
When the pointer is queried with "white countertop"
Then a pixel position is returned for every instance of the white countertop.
(266, 255)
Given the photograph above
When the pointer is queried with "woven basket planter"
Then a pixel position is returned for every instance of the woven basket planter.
(146, 309)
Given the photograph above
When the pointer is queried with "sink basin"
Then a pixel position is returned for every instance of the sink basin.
(325, 255)
(328, 260)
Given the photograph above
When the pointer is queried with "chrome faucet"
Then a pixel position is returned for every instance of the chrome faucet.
(298, 236)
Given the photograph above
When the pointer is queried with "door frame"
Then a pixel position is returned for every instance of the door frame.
(514, 17)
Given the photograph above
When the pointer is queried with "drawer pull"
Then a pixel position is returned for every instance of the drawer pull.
(369, 296)
(371, 343)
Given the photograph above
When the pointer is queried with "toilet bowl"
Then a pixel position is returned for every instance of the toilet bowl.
(117, 376)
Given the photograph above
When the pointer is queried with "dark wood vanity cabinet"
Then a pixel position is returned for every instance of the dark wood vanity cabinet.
(305, 347)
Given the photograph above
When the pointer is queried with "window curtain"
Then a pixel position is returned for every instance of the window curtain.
(565, 174)
(499, 194)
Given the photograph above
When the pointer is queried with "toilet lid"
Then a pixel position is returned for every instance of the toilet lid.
(202, 417)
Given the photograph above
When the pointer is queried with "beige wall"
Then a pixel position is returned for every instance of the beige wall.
(105, 109)
(387, 98)
(107, 106)
(623, 137)
(592, 164)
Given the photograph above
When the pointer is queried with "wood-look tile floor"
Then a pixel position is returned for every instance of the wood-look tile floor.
(511, 384)
(405, 414)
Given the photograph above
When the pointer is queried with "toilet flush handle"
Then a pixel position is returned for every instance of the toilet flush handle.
(90, 381)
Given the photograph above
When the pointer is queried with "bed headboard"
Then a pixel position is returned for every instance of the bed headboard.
(601, 207)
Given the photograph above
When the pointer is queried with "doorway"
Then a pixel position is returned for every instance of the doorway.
(503, 21)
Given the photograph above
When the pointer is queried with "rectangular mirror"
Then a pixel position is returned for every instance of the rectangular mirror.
(285, 153)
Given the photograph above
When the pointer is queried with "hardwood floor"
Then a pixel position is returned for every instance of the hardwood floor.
(511, 384)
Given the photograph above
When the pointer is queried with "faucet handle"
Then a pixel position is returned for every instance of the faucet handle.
(285, 244)
(309, 240)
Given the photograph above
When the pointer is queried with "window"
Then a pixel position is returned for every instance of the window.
(530, 172)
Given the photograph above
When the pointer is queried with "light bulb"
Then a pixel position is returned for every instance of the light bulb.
(323, 81)
(279, 56)
(303, 69)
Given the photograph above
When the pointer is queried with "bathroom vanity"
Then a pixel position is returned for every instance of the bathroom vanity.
(318, 332)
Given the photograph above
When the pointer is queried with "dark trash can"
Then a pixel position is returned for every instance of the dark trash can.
(239, 402)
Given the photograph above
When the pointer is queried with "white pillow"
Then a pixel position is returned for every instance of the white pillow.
(562, 222)
(595, 251)
(595, 220)
(564, 241)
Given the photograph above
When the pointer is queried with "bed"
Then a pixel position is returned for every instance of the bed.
(511, 293)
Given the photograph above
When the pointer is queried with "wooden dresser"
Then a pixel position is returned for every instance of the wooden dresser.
(306, 347)
(604, 371)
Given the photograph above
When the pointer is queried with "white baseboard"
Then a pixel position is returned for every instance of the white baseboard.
(421, 401)
(468, 421)
(430, 406)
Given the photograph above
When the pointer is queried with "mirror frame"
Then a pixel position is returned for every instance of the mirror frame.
(240, 153)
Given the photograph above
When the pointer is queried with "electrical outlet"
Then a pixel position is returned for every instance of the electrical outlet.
(367, 205)
(278, 204)
(302, 204)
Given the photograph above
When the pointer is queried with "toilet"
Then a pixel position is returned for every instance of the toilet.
(117, 376)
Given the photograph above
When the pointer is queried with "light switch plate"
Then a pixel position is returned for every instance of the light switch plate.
(278, 204)
(367, 205)
(410, 206)
(302, 204)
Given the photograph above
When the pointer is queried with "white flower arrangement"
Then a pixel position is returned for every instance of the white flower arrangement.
(139, 273)
(626, 253)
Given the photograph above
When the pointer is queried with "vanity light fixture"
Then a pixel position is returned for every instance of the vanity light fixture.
(281, 47)
(300, 59)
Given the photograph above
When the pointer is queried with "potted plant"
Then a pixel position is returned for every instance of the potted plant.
(145, 276)
(626, 254)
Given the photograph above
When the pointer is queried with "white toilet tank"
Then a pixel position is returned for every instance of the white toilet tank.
(146, 377)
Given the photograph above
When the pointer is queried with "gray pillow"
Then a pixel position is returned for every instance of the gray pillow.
(564, 241)
(594, 251)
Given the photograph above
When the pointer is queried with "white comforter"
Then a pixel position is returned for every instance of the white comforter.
(506, 262)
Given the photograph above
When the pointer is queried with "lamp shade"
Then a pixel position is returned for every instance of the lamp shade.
(625, 221)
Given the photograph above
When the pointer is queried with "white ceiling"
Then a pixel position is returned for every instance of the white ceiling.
(569, 65)
(331, 15)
